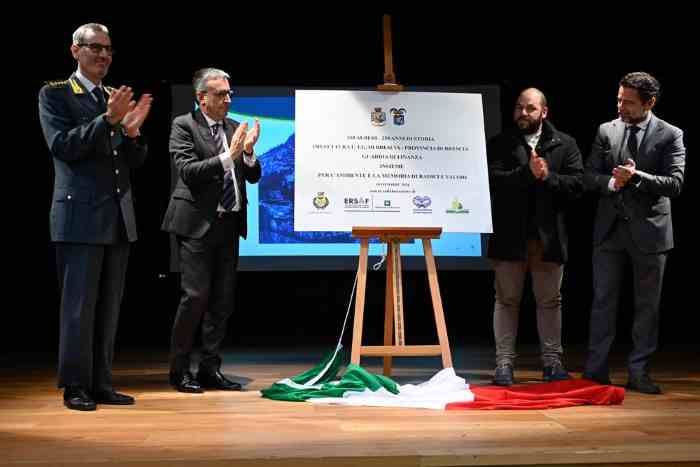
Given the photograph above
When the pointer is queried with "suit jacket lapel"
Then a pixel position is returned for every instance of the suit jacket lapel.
(649, 137)
(204, 130)
(230, 130)
(86, 100)
(616, 138)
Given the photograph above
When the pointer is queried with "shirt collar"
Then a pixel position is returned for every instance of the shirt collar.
(643, 124)
(89, 85)
(211, 122)
(534, 138)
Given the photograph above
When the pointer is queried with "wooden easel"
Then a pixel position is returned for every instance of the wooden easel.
(393, 310)
(390, 83)
(394, 344)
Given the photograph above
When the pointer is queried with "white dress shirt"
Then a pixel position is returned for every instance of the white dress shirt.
(227, 162)
(643, 125)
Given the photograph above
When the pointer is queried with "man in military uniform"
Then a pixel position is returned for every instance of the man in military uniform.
(93, 133)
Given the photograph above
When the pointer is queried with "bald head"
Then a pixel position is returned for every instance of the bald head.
(530, 110)
(535, 94)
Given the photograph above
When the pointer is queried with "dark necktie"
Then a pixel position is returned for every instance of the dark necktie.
(632, 143)
(100, 95)
(228, 196)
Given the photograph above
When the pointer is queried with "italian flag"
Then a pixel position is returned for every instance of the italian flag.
(444, 391)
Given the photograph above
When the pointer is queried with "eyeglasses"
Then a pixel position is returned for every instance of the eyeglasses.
(223, 94)
(98, 48)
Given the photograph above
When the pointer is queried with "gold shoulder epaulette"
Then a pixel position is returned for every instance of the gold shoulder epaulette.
(75, 86)
(57, 84)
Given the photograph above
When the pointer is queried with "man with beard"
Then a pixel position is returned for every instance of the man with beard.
(637, 164)
(534, 171)
(93, 133)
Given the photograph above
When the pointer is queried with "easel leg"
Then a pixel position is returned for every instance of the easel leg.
(437, 304)
(399, 336)
(359, 302)
(389, 307)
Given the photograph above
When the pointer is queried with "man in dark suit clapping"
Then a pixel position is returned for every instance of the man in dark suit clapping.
(636, 165)
(214, 157)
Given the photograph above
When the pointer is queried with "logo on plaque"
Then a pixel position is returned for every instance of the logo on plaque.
(378, 117)
(456, 207)
(399, 116)
(321, 200)
(422, 202)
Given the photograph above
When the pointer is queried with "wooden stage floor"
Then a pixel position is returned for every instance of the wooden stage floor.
(166, 428)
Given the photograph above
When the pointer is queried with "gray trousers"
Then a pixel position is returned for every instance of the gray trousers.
(546, 286)
(609, 261)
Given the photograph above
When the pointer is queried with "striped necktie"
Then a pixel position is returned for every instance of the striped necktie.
(228, 195)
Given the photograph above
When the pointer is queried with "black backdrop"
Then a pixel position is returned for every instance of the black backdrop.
(577, 61)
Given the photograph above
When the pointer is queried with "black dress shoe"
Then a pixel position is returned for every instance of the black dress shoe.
(77, 398)
(185, 382)
(597, 378)
(113, 398)
(503, 376)
(216, 380)
(555, 372)
(643, 384)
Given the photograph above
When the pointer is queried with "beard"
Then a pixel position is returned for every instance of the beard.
(630, 119)
(529, 126)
